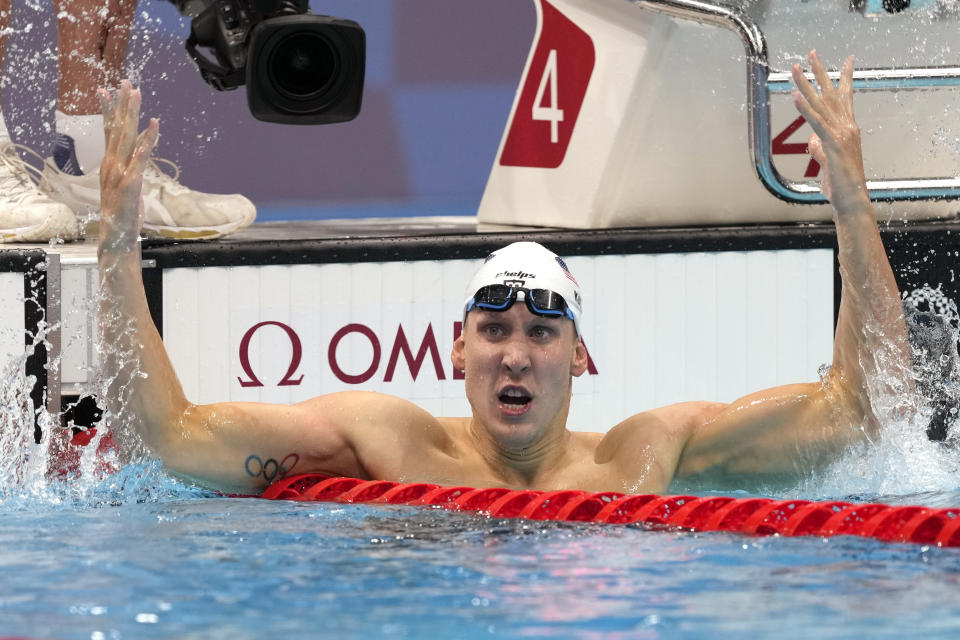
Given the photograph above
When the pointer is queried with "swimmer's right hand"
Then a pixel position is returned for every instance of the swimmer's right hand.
(121, 173)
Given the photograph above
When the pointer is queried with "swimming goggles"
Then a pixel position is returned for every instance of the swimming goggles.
(500, 297)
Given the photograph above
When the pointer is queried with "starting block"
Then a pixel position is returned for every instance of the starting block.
(671, 113)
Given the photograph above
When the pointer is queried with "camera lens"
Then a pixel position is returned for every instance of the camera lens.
(305, 69)
(303, 65)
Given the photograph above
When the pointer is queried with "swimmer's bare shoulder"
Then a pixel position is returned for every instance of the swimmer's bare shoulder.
(372, 435)
(643, 453)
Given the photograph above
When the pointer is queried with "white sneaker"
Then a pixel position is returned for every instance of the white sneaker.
(27, 213)
(171, 210)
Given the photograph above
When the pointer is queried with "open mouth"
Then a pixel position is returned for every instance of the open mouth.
(515, 401)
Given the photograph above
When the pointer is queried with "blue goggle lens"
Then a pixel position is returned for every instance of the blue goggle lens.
(500, 297)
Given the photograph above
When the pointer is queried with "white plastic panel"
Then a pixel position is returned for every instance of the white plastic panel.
(12, 324)
(78, 290)
(659, 329)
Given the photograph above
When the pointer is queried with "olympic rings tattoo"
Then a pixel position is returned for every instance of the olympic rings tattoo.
(271, 469)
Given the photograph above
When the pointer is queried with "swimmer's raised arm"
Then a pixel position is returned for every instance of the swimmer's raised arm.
(774, 430)
(231, 446)
(143, 390)
(871, 351)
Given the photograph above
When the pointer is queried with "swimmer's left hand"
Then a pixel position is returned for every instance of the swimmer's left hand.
(121, 173)
(836, 141)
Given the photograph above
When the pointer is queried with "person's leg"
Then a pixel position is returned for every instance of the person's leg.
(92, 37)
(92, 41)
(119, 23)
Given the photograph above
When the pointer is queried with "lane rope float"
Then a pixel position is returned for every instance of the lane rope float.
(752, 516)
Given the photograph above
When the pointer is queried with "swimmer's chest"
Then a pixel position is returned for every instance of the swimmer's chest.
(585, 467)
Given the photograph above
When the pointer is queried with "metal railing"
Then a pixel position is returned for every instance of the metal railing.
(761, 82)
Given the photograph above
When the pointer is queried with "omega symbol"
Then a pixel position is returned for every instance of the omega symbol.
(287, 380)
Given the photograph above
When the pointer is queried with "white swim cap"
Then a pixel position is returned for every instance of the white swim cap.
(528, 265)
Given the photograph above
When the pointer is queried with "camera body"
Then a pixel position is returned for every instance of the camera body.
(298, 68)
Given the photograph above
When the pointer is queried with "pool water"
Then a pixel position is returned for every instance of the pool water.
(142, 556)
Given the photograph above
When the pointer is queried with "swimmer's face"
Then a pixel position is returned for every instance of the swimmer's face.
(518, 370)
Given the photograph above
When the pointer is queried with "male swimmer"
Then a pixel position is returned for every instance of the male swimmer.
(519, 351)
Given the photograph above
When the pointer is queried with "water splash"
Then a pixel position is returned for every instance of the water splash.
(108, 466)
(21, 463)
(918, 447)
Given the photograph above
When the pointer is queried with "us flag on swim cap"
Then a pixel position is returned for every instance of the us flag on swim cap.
(566, 271)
